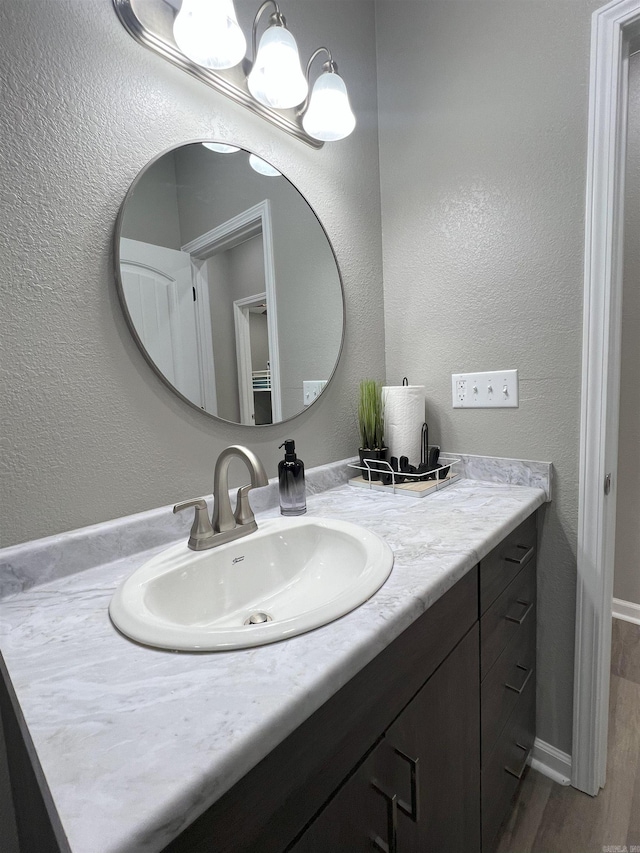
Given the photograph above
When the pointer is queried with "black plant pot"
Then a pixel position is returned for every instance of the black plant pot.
(377, 455)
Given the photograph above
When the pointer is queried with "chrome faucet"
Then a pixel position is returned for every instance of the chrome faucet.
(226, 525)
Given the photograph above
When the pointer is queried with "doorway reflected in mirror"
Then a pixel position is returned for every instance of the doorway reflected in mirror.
(229, 284)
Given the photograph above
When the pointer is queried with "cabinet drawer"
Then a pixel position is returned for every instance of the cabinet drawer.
(502, 622)
(506, 681)
(502, 772)
(501, 565)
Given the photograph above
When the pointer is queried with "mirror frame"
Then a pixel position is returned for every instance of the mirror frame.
(131, 325)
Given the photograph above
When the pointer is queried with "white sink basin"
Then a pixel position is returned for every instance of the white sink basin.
(300, 572)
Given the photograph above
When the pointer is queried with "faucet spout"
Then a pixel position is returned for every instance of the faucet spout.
(226, 525)
(224, 519)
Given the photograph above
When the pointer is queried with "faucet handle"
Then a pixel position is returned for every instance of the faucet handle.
(201, 527)
(244, 513)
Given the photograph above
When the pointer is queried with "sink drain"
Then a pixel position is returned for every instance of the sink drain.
(258, 618)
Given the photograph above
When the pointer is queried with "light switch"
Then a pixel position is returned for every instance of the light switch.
(311, 389)
(496, 389)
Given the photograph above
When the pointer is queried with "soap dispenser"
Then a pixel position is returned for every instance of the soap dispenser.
(293, 500)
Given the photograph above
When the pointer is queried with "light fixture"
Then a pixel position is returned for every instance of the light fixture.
(221, 147)
(207, 31)
(328, 115)
(262, 167)
(276, 79)
(204, 39)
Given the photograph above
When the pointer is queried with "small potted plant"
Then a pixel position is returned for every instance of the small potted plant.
(371, 424)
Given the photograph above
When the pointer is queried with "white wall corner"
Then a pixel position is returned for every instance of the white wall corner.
(551, 762)
(626, 610)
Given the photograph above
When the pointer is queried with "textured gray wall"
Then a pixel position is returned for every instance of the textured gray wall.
(626, 581)
(88, 431)
(483, 129)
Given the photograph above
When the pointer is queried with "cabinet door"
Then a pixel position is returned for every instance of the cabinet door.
(419, 790)
(361, 818)
(436, 773)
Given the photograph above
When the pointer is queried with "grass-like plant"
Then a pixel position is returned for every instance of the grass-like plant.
(371, 415)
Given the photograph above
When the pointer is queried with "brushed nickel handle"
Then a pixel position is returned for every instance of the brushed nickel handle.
(520, 619)
(391, 845)
(529, 673)
(520, 561)
(518, 774)
(201, 527)
(243, 513)
(413, 810)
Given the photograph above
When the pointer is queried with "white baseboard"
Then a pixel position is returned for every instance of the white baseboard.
(626, 610)
(551, 762)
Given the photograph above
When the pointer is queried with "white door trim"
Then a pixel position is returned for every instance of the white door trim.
(204, 335)
(243, 356)
(247, 224)
(612, 26)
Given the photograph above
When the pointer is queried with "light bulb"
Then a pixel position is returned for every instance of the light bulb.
(207, 32)
(264, 168)
(329, 116)
(220, 147)
(276, 79)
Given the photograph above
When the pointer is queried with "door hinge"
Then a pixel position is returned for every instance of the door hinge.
(607, 484)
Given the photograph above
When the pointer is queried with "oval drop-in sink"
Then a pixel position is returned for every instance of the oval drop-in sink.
(290, 576)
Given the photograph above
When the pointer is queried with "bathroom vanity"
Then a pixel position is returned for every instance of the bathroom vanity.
(422, 750)
(402, 726)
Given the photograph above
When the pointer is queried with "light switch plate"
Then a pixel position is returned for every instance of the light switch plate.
(311, 389)
(497, 389)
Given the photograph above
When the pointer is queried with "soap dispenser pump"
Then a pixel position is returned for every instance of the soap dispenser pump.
(293, 500)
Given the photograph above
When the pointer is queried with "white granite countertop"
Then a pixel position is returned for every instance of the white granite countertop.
(135, 742)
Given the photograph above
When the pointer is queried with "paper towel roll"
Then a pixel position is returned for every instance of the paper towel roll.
(403, 418)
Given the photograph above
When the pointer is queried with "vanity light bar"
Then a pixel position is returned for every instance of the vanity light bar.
(152, 25)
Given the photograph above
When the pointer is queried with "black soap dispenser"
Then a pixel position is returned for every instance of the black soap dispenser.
(293, 499)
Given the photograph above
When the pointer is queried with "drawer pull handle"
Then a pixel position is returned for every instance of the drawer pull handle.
(413, 810)
(391, 845)
(520, 619)
(519, 773)
(514, 558)
(529, 673)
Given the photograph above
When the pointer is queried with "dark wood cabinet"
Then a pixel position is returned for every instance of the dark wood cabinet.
(418, 789)
(507, 671)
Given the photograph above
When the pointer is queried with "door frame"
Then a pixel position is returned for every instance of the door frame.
(612, 27)
(242, 322)
(249, 223)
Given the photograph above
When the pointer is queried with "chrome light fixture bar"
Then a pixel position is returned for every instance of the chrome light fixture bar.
(251, 83)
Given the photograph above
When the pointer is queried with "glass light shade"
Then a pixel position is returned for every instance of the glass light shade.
(329, 116)
(262, 167)
(207, 31)
(276, 79)
(220, 147)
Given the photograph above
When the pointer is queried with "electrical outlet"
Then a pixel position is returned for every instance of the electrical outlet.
(496, 389)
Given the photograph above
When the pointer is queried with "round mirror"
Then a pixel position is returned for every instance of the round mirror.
(229, 284)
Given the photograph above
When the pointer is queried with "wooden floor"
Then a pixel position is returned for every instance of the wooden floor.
(551, 818)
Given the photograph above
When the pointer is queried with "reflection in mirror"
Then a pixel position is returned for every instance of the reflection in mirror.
(229, 284)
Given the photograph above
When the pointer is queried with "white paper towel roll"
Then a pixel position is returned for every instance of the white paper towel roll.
(403, 418)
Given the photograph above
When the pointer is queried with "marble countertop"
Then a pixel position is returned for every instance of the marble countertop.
(135, 742)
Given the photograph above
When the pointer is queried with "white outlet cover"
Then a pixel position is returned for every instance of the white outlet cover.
(490, 389)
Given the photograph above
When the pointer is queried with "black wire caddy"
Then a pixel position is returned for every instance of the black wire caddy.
(380, 475)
